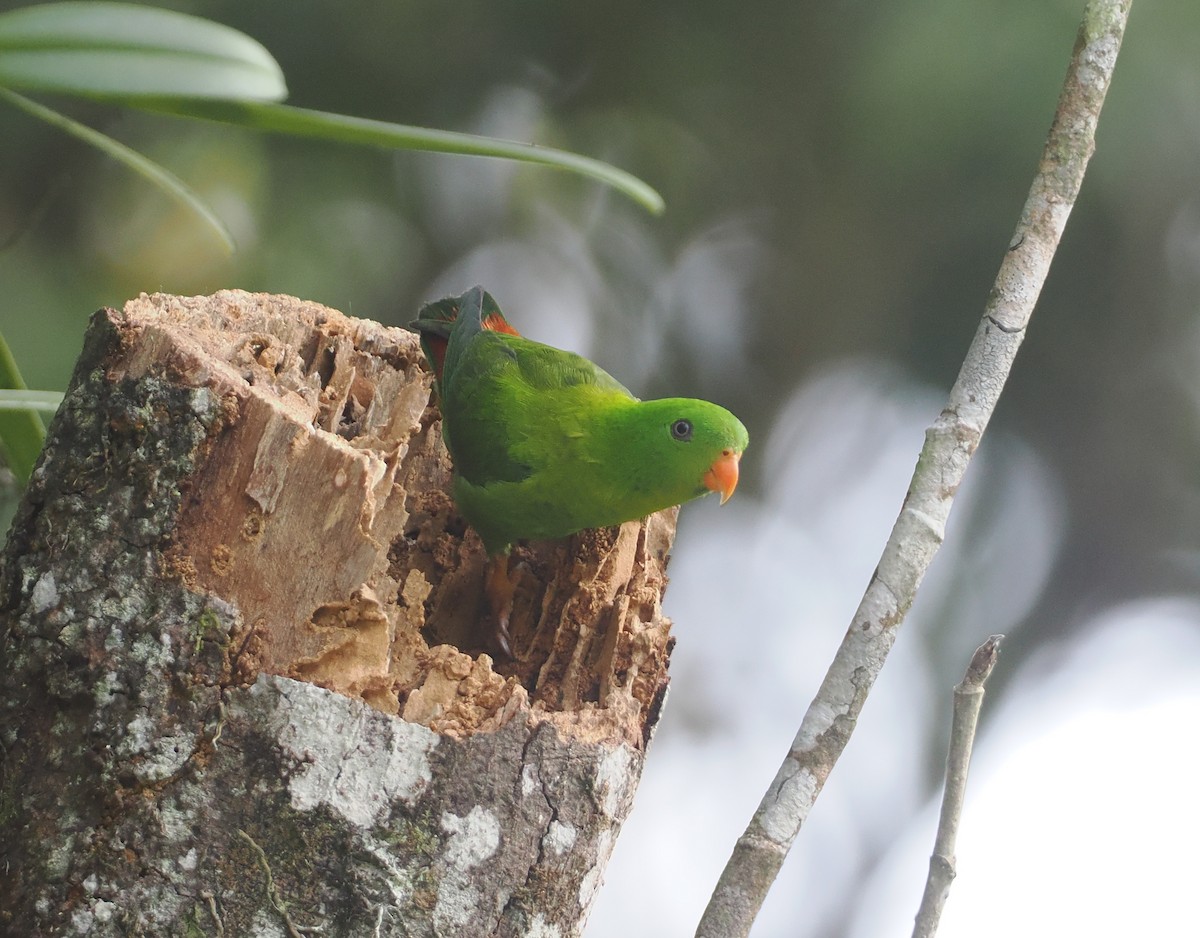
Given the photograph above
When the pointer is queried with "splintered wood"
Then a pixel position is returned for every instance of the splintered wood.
(320, 511)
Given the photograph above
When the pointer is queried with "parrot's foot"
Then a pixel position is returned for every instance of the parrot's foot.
(500, 588)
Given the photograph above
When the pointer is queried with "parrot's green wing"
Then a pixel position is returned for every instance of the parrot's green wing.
(548, 369)
(492, 377)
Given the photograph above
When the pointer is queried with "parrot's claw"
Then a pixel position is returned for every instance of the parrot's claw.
(500, 588)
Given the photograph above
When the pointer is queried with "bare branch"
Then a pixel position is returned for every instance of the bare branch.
(949, 444)
(968, 698)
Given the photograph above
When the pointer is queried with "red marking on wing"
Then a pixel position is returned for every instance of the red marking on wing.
(435, 345)
(494, 322)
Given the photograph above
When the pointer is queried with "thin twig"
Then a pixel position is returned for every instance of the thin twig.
(215, 912)
(272, 893)
(949, 445)
(968, 698)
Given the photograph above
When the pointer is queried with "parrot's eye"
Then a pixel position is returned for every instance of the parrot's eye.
(681, 430)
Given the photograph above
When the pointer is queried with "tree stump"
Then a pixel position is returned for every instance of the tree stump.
(249, 688)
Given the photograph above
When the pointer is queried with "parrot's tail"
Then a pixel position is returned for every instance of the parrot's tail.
(436, 321)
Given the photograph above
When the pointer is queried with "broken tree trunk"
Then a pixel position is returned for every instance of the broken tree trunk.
(246, 680)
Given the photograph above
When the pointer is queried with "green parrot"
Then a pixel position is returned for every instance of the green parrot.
(545, 443)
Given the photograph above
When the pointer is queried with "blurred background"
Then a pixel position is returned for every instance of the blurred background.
(841, 182)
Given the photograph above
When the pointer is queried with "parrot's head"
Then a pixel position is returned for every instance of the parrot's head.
(692, 446)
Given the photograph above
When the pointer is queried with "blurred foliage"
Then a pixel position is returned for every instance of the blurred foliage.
(21, 430)
(169, 62)
(840, 179)
(843, 177)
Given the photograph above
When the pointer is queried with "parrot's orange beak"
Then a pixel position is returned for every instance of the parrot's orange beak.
(722, 476)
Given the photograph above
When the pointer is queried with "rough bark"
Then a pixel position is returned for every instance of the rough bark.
(247, 681)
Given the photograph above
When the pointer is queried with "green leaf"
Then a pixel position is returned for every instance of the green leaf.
(46, 402)
(119, 50)
(321, 125)
(21, 431)
(172, 63)
(160, 176)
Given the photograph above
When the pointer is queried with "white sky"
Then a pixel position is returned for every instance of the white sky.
(1083, 810)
